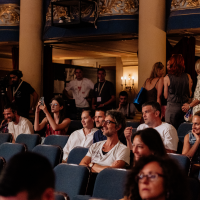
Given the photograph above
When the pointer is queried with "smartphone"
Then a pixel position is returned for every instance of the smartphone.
(42, 101)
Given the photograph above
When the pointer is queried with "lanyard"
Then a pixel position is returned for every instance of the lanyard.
(100, 90)
(14, 92)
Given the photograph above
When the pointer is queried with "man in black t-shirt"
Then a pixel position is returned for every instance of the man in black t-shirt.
(21, 94)
(104, 92)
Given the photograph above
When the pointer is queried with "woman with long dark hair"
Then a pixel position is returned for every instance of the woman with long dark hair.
(55, 122)
(147, 142)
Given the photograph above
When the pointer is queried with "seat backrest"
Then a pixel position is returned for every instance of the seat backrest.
(30, 140)
(194, 187)
(59, 140)
(132, 123)
(71, 179)
(182, 160)
(7, 150)
(110, 184)
(2, 163)
(53, 153)
(74, 125)
(183, 130)
(61, 196)
(76, 155)
(5, 137)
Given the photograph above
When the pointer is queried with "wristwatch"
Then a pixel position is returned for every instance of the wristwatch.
(90, 165)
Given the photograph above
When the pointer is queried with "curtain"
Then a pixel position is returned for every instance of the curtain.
(15, 57)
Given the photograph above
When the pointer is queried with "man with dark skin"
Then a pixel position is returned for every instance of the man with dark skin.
(21, 94)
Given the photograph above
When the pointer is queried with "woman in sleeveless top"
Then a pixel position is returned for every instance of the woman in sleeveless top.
(154, 84)
(191, 146)
(56, 124)
(177, 90)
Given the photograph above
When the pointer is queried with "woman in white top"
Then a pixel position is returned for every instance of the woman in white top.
(195, 104)
(82, 137)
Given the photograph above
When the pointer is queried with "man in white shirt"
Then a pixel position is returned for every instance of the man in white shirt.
(80, 88)
(17, 124)
(152, 118)
(82, 137)
(111, 152)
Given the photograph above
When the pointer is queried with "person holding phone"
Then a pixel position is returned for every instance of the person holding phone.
(55, 122)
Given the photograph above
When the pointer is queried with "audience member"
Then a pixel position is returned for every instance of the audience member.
(17, 124)
(154, 84)
(82, 137)
(195, 104)
(109, 153)
(177, 90)
(55, 123)
(27, 176)
(100, 115)
(157, 178)
(80, 88)
(191, 146)
(21, 94)
(128, 109)
(104, 92)
(147, 142)
(152, 118)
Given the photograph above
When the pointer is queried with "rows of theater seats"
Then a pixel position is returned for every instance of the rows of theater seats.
(72, 179)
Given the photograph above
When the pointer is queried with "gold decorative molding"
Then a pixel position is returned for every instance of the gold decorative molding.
(9, 14)
(106, 7)
(184, 4)
(113, 7)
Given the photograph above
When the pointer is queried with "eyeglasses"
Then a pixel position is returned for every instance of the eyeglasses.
(150, 177)
(55, 104)
(108, 122)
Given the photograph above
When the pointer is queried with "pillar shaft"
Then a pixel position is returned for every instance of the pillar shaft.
(152, 37)
(30, 43)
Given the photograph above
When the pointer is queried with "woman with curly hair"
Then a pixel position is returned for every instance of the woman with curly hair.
(154, 84)
(156, 178)
(177, 90)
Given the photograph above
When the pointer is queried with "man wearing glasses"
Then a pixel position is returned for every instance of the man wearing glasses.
(111, 152)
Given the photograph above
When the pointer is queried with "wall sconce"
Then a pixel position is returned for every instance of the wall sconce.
(128, 83)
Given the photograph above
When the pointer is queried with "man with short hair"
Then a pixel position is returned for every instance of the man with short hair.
(104, 92)
(99, 119)
(128, 109)
(110, 153)
(16, 124)
(21, 94)
(80, 88)
(152, 118)
(27, 176)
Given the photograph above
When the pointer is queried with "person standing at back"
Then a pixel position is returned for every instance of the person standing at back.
(104, 92)
(154, 84)
(80, 88)
(177, 90)
(21, 94)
